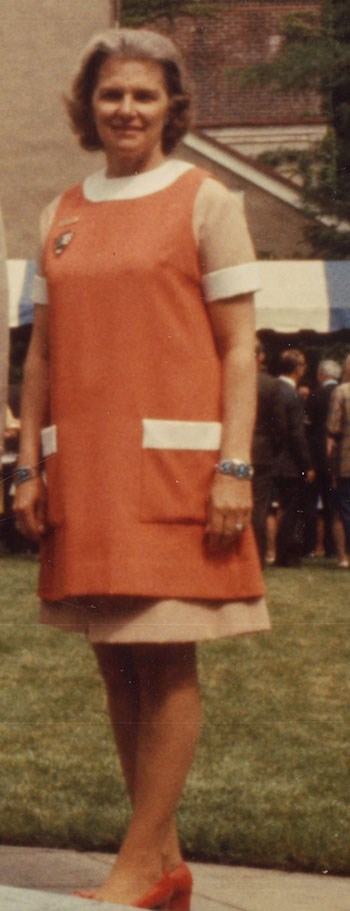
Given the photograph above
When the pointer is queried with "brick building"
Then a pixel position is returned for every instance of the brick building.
(40, 157)
(245, 33)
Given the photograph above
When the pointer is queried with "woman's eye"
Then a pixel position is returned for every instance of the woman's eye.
(112, 96)
(116, 95)
(144, 96)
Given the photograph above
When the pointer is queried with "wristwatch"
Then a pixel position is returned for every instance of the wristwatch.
(235, 469)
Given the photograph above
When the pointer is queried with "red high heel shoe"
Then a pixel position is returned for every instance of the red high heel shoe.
(159, 896)
(171, 893)
(182, 881)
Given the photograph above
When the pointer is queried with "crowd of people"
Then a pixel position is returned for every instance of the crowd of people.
(301, 457)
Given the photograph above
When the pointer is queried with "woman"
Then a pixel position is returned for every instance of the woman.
(145, 546)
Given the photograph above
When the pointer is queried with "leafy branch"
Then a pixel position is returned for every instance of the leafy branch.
(136, 12)
(314, 56)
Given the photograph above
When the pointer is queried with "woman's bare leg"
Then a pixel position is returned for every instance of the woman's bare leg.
(118, 672)
(154, 705)
(164, 738)
(117, 668)
(339, 540)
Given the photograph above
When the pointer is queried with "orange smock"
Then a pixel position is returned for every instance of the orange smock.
(136, 405)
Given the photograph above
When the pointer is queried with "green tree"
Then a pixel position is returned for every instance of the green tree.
(315, 56)
(135, 12)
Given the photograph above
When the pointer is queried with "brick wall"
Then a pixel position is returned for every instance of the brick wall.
(40, 42)
(245, 33)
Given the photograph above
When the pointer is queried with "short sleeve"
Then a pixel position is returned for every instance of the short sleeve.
(225, 247)
(39, 292)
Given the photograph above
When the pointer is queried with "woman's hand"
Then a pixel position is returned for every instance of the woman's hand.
(228, 513)
(30, 508)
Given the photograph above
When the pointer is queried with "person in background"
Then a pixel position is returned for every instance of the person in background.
(293, 465)
(142, 343)
(345, 374)
(317, 407)
(269, 438)
(309, 510)
(4, 335)
(12, 540)
(338, 447)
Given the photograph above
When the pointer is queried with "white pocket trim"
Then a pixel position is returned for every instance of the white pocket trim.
(49, 440)
(195, 435)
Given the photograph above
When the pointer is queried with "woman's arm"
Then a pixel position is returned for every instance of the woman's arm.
(30, 500)
(230, 500)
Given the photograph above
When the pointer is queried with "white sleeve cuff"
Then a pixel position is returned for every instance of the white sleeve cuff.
(39, 293)
(234, 280)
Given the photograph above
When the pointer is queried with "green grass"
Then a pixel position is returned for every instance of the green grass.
(270, 782)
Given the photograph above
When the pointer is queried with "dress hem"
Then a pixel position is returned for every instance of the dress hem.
(145, 620)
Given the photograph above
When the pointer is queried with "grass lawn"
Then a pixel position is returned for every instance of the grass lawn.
(270, 784)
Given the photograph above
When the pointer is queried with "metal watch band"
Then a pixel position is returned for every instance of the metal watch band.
(21, 475)
(235, 469)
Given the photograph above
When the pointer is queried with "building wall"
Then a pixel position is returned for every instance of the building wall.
(40, 42)
(246, 32)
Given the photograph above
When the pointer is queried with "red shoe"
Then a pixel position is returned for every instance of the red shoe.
(159, 896)
(181, 880)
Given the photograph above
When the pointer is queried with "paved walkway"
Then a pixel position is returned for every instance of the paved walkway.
(40, 879)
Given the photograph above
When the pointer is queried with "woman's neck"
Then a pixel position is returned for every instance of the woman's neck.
(129, 167)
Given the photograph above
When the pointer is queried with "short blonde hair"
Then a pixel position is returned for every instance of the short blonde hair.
(129, 44)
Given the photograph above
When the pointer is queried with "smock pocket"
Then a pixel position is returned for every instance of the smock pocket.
(178, 459)
(51, 476)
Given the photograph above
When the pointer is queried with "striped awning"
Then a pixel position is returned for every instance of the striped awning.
(296, 294)
(304, 294)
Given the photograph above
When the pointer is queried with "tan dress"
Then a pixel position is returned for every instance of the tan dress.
(135, 418)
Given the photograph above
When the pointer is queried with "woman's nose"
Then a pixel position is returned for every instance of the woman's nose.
(126, 105)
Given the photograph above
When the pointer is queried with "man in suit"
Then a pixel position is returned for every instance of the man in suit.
(293, 464)
(317, 408)
(268, 439)
(338, 430)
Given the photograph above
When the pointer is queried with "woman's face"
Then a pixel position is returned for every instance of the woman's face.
(130, 106)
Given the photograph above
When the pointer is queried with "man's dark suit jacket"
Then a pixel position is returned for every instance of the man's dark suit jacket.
(295, 457)
(317, 412)
(270, 426)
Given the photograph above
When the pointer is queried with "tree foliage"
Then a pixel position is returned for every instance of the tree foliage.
(135, 12)
(315, 56)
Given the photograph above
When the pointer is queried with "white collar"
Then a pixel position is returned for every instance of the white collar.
(288, 379)
(99, 188)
